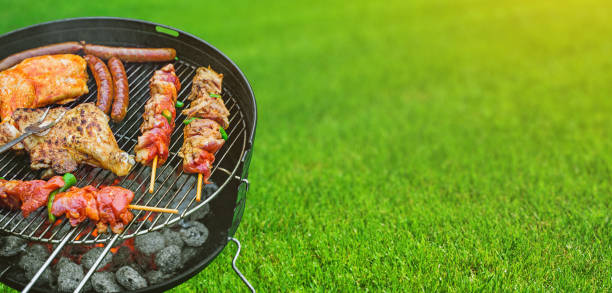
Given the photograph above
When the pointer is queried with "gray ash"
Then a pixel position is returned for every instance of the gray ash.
(173, 238)
(200, 214)
(145, 260)
(12, 245)
(168, 260)
(189, 253)
(156, 277)
(38, 251)
(90, 257)
(18, 276)
(194, 233)
(104, 282)
(69, 276)
(150, 243)
(130, 279)
(210, 188)
(32, 260)
(123, 257)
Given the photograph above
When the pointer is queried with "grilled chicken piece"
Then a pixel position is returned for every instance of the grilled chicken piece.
(113, 209)
(202, 141)
(206, 83)
(202, 137)
(77, 203)
(16, 91)
(81, 137)
(157, 129)
(107, 206)
(27, 195)
(41, 81)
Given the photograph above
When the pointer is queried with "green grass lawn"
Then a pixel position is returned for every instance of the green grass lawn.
(412, 145)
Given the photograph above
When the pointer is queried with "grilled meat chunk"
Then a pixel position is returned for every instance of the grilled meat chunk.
(113, 204)
(77, 203)
(206, 97)
(27, 195)
(202, 141)
(107, 206)
(41, 81)
(158, 116)
(81, 137)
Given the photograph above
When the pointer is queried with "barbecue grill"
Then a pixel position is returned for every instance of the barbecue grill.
(174, 189)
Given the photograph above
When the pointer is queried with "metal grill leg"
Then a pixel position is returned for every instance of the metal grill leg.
(242, 277)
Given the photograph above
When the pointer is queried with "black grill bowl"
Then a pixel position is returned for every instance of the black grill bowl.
(228, 206)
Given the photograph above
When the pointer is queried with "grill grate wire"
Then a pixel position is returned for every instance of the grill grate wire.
(174, 188)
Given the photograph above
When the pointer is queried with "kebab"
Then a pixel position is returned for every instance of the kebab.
(207, 119)
(107, 205)
(158, 124)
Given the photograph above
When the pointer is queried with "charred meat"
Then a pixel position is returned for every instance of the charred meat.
(81, 137)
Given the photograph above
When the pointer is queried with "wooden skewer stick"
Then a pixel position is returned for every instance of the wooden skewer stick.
(152, 186)
(152, 209)
(199, 192)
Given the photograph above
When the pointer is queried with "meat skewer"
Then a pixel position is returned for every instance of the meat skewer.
(159, 115)
(204, 133)
(108, 205)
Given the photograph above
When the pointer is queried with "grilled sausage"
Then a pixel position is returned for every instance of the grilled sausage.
(131, 54)
(122, 91)
(104, 81)
(60, 48)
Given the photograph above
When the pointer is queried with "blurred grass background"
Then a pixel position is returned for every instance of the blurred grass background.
(411, 145)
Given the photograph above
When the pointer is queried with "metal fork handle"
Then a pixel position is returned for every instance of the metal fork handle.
(242, 277)
(13, 142)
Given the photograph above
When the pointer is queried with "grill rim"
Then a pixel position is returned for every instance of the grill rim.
(241, 171)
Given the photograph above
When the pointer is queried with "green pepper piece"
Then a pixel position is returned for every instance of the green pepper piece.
(2, 178)
(223, 133)
(50, 205)
(168, 115)
(69, 181)
(179, 104)
(214, 96)
(187, 121)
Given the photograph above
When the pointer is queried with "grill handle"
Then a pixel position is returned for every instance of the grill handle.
(242, 277)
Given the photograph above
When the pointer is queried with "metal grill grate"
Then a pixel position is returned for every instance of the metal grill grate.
(174, 189)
